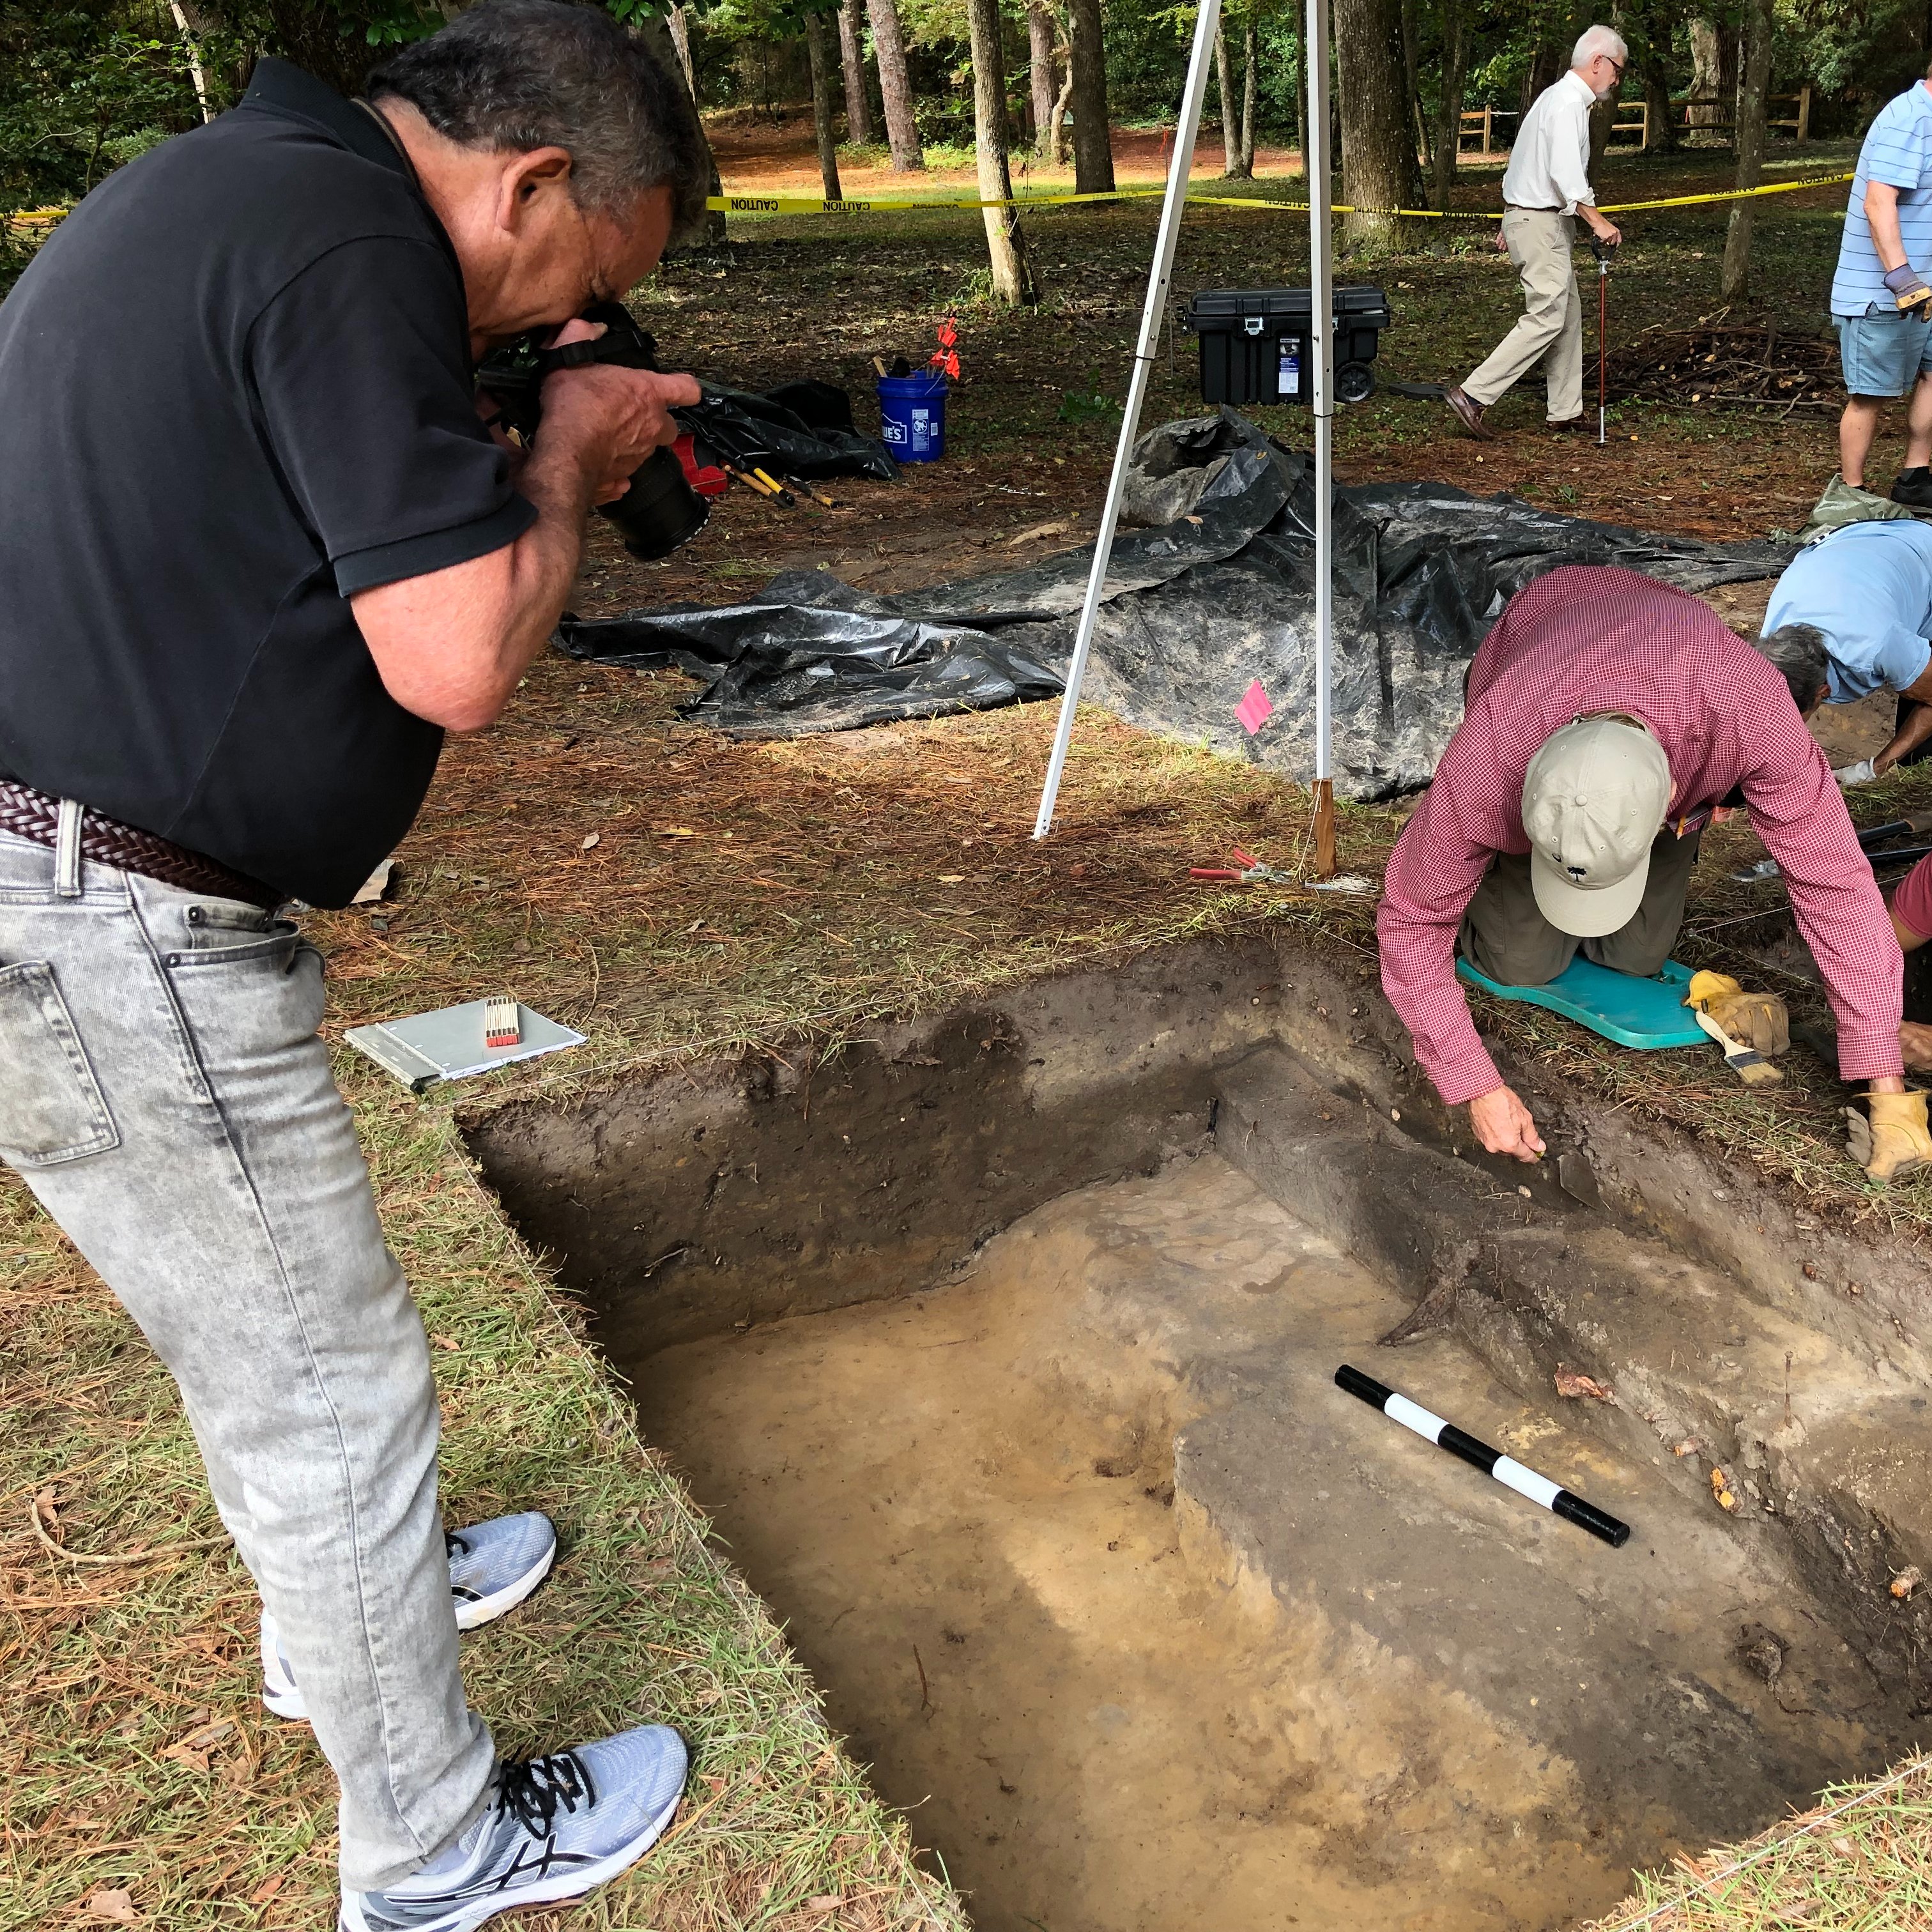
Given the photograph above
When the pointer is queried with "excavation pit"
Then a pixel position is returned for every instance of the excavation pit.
(1000, 1347)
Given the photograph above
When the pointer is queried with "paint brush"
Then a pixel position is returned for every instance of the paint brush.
(1746, 1062)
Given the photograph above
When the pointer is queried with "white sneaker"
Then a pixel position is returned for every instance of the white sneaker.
(556, 1827)
(493, 1567)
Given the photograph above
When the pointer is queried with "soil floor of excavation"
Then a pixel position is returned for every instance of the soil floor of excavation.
(1144, 1619)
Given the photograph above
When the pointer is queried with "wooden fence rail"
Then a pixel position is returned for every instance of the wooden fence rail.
(1694, 113)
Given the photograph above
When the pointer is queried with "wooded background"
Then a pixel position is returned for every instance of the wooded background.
(87, 84)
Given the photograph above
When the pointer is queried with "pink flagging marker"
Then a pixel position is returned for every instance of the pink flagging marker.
(1254, 710)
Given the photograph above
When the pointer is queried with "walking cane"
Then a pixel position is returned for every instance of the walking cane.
(1602, 250)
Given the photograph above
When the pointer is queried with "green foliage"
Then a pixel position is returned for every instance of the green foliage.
(386, 23)
(1090, 404)
(1876, 46)
(83, 87)
(1146, 58)
(1278, 80)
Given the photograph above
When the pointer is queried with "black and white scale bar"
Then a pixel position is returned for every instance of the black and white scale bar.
(1506, 1469)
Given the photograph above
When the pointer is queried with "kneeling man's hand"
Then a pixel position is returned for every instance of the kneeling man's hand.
(1503, 1125)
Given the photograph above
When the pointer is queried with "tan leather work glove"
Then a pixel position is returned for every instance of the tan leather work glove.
(1895, 1140)
(1759, 1019)
(1909, 290)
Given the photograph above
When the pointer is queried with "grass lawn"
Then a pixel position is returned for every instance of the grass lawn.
(676, 894)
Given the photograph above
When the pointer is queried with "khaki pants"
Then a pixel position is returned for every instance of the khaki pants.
(1552, 328)
(1506, 937)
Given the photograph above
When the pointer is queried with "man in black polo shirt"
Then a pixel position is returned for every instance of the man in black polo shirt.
(256, 553)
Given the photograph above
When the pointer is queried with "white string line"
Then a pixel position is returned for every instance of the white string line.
(1852, 1804)
(734, 1586)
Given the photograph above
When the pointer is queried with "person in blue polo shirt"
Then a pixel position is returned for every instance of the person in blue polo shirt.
(1880, 297)
(1867, 588)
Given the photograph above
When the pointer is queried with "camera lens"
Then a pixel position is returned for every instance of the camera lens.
(660, 510)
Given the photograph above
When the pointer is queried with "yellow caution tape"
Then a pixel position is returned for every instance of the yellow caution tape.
(794, 204)
(787, 204)
(1736, 194)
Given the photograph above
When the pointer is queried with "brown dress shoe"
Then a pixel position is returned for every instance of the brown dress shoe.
(1467, 413)
(1569, 426)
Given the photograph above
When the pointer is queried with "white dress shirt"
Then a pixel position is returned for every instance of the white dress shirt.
(1549, 165)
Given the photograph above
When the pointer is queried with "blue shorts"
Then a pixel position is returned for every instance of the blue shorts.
(1883, 355)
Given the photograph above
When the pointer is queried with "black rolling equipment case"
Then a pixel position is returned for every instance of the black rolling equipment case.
(1254, 343)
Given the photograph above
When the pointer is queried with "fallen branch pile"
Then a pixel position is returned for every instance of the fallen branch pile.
(1750, 365)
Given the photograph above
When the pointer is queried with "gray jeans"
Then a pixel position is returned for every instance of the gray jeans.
(166, 1095)
(1505, 935)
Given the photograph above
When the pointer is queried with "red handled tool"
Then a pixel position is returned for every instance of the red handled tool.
(1605, 252)
(1244, 868)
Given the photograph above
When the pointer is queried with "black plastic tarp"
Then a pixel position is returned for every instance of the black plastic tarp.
(1195, 608)
(799, 429)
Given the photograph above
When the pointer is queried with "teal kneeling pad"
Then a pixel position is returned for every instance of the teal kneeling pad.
(1645, 1013)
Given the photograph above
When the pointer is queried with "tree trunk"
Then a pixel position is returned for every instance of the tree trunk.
(1545, 70)
(1411, 71)
(1603, 119)
(818, 51)
(1378, 148)
(852, 62)
(1654, 63)
(1006, 241)
(895, 87)
(1056, 146)
(1087, 60)
(1705, 93)
(1250, 90)
(654, 30)
(1449, 102)
(191, 50)
(1301, 110)
(1224, 74)
(1728, 47)
(1039, 49)
(1754, 85)
(678, 22)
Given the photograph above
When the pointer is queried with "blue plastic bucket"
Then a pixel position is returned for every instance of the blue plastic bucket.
(912, 416)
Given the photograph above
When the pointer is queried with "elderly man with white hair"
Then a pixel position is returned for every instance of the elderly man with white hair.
(1546, 191)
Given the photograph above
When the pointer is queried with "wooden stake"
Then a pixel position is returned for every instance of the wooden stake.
(1325, 829)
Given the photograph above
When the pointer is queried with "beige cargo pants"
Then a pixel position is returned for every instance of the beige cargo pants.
(1552, 327)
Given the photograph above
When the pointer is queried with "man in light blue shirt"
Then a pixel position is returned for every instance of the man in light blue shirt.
(1867, 588)
(1879, 298)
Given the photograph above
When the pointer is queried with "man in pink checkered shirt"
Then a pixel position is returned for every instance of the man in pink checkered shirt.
(1608, 718)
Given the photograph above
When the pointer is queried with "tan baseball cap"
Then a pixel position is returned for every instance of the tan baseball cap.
(1594, 798)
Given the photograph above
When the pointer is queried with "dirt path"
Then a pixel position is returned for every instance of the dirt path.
(756, 156)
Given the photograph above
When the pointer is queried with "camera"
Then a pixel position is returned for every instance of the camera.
(660, 511)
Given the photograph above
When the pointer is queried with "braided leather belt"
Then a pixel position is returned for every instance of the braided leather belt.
(33, 814)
